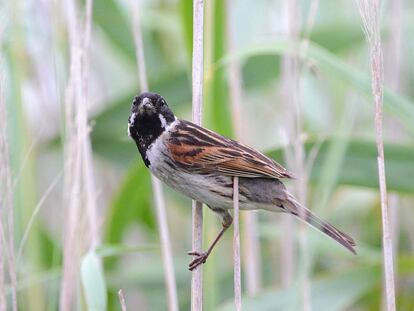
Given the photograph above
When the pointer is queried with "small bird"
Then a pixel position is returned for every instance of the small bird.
(201, 164)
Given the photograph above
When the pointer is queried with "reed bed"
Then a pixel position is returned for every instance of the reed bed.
(81, 216)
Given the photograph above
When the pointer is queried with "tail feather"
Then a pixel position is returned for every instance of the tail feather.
(297, 209)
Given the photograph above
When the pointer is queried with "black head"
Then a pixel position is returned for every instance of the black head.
(149, 117)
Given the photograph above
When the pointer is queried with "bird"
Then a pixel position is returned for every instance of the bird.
(202, 164)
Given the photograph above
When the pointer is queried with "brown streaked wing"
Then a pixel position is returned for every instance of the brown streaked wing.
(200, 150)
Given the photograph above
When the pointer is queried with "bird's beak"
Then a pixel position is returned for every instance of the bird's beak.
(146, 105)
(146, 101)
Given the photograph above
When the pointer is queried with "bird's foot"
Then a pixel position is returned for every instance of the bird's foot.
(199, 259)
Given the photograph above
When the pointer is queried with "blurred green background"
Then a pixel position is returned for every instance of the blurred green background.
(337, 130)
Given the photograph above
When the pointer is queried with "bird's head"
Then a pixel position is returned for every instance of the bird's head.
(149, 117)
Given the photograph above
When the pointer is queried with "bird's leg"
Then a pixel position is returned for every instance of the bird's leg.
(201, 258)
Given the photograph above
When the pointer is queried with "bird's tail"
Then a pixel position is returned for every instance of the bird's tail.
(291, 205)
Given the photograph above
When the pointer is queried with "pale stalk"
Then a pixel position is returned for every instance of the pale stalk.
(79, 180)
(72, 170)
(287, 244)
(394, 79)
(291, 74)
(236, 245)
(251, 244)
(197, 101)
(370, 14)
(122, 300)
(88, 169)
(166, 251)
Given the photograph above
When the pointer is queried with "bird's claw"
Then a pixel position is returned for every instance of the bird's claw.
(200, 259)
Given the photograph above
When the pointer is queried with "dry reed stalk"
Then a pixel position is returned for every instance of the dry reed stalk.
(369, 11)
(79, 181)
(122, 300)
(296, 156)
(287, 245)
(87, 162)
(236, 245)
(197, 101)
(394, 79)
(7, 250)
(71, 187)
(251, 244)
(166, 252)
(304, 165)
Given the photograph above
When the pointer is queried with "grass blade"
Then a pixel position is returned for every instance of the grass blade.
(93, 282)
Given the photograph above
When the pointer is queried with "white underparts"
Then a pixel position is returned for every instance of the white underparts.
(155, 149)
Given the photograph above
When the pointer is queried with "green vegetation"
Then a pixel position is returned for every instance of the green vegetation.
(334, 93)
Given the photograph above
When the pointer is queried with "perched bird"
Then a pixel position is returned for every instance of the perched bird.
(201, 164)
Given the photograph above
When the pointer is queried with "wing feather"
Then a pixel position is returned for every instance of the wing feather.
(200, 150)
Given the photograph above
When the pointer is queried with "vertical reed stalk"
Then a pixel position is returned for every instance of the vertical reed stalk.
(122, 300)
(251, 244)
(197, 100)
(370, 14)
(72, 174)
(393, 74)
(394, 79)
(287, 245)
(166, 252)
(87, 167)
(296, 156)
(79, 177)
(236, 245)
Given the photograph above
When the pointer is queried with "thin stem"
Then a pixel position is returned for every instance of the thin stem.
(197, 94)
(87, 169)
(72, 165)
(122, 300)
(139, 46)
(166, 252)
(251, 244)
(236, 245)
(297, 155)
(395, 80)
(369, 11)
(288, 91)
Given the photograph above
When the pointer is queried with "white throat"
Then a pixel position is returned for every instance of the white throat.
(163, 121)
